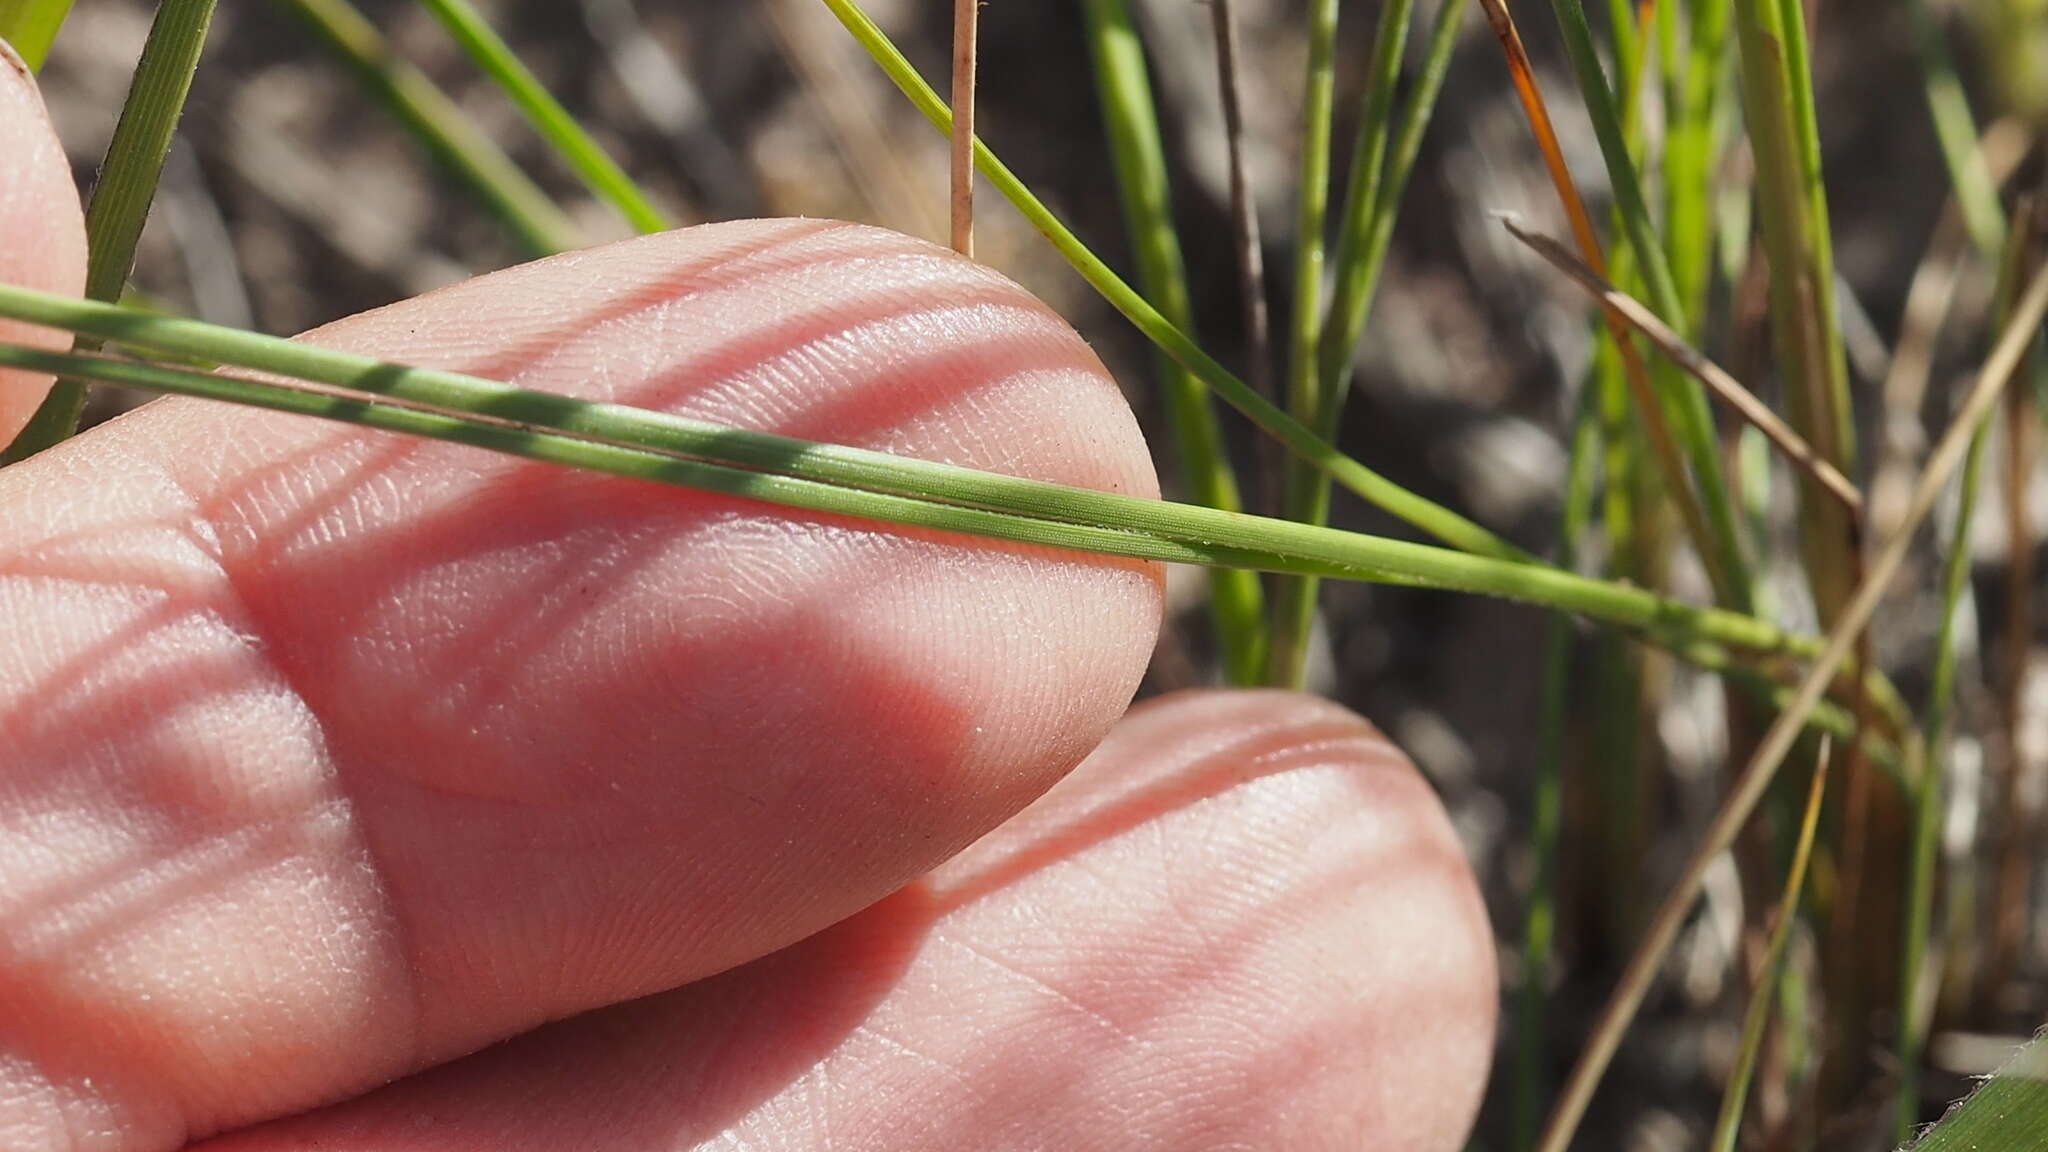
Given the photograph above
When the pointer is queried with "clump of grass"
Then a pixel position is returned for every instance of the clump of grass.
(1734, 76)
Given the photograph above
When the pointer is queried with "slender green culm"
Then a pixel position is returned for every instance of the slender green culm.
(1956, 130)
(30, 26)
(1685, 401)
(1306, 494)
(1426, 515)
(1692, 151)
(125, 189)
(1729, 1124)
(532, 219)
(1935, 720)
(1539, 922)
(1131, 121)
(1709, 637)
(598, 171)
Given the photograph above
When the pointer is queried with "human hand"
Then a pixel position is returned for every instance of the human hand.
(369, 793)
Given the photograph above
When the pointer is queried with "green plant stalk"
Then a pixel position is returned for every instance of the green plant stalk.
(1956, 131)
(1706, 636)
(1294, 601)
(30, 26)
(1690, 152)
(1926, 801)
(598, 171)
(1729, 1124)
(531, 218)
(1131, 121)
(1684, 399)
(1377, 490)
(1801, 289)
(1934, 733)
(1312, 388)
(126, 186)
(1539, 924)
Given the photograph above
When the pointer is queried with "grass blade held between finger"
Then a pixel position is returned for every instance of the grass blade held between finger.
(1712, 638)
(598, 171)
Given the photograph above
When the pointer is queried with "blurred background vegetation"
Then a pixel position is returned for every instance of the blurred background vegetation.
(292, 199)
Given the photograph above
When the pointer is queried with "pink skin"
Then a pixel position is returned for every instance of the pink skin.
(332, 757)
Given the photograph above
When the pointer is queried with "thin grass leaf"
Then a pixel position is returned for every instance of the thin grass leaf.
(1377, 490)
(555, 124)
(966, 23)
(1692, 151)
(126, 187)
(1956, 131)
(30, 26)
(530, 217)
(1132, 123)
(1546, 822)
(1244, 208)
(2007, 1113)
(1762, 767)
(1710, 637)
(1312, 388)
(1728, 1126)
(1801, 285)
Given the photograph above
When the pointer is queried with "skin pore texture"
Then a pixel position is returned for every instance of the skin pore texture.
(362, 792)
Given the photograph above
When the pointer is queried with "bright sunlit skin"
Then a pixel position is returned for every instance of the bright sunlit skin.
(360, 792)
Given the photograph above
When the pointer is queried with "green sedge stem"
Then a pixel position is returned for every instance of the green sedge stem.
(126, 187)
(598, 171)
(441, 127)
(1132, 123)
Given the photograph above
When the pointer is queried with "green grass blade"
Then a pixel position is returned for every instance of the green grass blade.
(1132, 122)
(1430, 517)
(1956, 130)
(30, 26)
(1539, 922)
(1691, 416)
(598, 171)
(1311, 389)
(125, 189)
(1692, 153)
(1728, 1125)
(2007, 1113)
(532, 219)
(1709, 637)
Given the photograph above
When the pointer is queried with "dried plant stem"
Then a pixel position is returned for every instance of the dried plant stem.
(966, 16)
(1244, 205)
(1649, 956)
(1729, 1124)
(126, 187)
(1716, 378)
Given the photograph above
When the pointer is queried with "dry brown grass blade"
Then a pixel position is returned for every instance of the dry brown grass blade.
(966, 15)
(1716, 378)
(1756, 776)
(1244, 211)
(1669, 461)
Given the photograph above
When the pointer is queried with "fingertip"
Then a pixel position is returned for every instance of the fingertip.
(42, 231)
